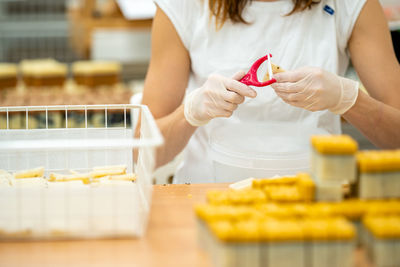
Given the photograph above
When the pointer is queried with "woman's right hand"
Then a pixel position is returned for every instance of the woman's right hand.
(218, 97)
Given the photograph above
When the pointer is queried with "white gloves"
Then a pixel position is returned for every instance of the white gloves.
(218, 97)
(316, 89)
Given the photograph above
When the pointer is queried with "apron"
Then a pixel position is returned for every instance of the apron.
(264, 136)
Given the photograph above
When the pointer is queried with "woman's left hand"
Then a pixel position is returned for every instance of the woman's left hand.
(316, 89)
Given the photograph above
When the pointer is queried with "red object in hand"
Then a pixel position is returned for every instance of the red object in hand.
(251, 77)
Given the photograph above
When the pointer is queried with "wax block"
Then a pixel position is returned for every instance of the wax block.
(333, 167)
(278, 254)
(329, 191)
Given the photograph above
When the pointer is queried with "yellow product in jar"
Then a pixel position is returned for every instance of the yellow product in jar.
(334, 144)
(285, 180)
(379, 161)
(236, 197)
(334, 228)
(387, 227)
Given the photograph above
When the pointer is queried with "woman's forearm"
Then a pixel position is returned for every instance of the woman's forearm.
(379, 122)
(177, 132)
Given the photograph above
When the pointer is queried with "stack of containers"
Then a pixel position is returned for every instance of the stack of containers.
(333, 163)
(276, 217)
(243, 237)
(245, 211)
(299, 188)
(379, 174)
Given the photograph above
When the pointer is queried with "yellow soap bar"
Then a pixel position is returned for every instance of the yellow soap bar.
(336, 228)
(247, 231)
(217, 197)
(306, 187)
(103, 173)
(223, 230)
(383, 227)
(284, 180)
(238, 197)
(352, 209)
(123, 177)
(287, 188)
(275, 69)
(379, 161)
(84, 177)
(283, 193)
(334, 144)
(282, 230)
(212, 213)
(37, 172)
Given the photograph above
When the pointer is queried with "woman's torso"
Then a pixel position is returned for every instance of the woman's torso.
(265, 125)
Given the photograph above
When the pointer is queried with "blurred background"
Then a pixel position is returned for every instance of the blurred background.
(71, 30)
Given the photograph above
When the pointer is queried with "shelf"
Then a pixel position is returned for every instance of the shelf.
(34, 28)
(83, 25)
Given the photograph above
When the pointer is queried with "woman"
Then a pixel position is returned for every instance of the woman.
(198, 46)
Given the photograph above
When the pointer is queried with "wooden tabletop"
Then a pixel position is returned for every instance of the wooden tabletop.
(170, 240)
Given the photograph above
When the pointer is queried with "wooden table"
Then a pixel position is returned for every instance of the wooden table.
(170, 239)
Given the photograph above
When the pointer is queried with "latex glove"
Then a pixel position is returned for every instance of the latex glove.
(316, 89)
(218, 97)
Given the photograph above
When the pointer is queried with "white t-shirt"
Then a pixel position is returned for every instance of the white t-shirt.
(264, 126)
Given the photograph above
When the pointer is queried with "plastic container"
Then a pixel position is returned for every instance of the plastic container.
(379, 185)
(70, 209)
(259, 150)
(333, 168)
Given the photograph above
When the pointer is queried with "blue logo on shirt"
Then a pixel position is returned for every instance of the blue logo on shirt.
(329, 10)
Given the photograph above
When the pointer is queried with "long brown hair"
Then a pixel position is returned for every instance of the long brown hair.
(232, 10)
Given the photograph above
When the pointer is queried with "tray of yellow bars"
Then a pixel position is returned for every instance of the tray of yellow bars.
(62, 183)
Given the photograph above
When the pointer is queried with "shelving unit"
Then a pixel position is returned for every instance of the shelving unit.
(34, 29)
(92, 27)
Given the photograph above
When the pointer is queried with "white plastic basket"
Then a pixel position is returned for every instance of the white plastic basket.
(70, 210)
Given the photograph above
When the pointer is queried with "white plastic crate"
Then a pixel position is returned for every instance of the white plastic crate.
(73, 210)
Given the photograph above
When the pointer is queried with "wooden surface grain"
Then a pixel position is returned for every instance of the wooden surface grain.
(170, 239)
